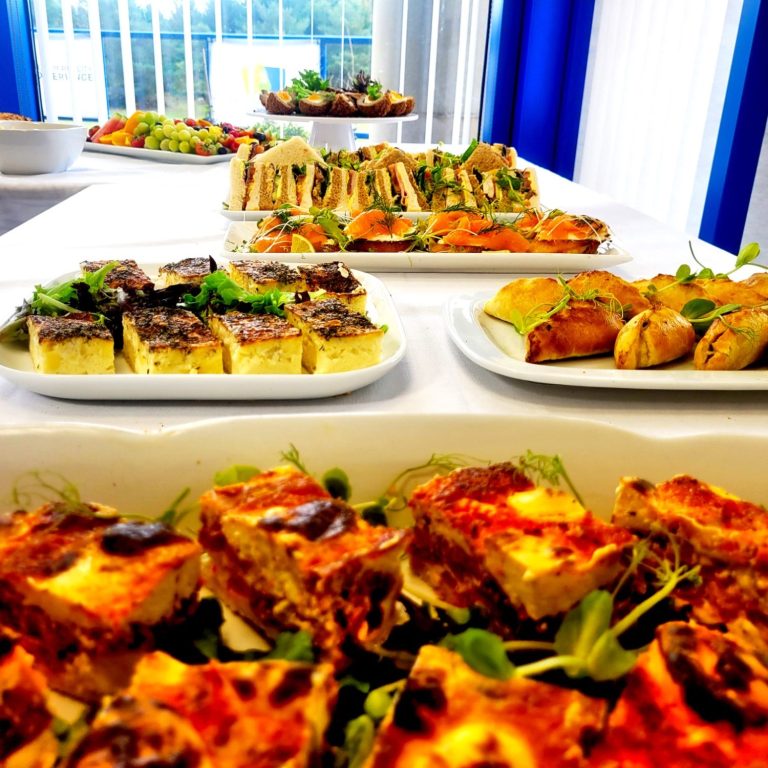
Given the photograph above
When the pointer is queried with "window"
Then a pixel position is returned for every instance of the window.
(211, 58)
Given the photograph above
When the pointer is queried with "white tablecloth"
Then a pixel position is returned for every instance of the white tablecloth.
(171, 212)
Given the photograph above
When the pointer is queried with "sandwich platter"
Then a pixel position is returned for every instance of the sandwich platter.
(240, 233)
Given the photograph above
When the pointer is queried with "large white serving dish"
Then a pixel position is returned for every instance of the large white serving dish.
(16, 366)
(142, 472)
(498, 347)
(159, 156)
(28, 147)
(239, 234)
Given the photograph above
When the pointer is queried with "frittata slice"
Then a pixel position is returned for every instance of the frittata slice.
(487, 536)
(127, 274)
(191, 271)
(725, 536)
(335, 339)
(159, 340)
(68, 345)
(450, 716)
(26, 738)
(270, 714)
(87, 592)
(257, 343)
(262, 276)
(697, 698)
(285, 555)
(338, 282)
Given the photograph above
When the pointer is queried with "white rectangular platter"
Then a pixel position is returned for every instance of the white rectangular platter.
(141, 472)
(496, 346)
(16, 366)
(412, 215)
(240, 233)
(159, 156)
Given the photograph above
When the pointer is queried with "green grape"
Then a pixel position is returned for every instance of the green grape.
(204, 134)
(184, 135)
(173, 145)
(195, 140)
(157, 132)
(141, 129)
(165, 145)
(185, 147)
(215, 131)
(169, 129)
(150, 118)
(151, 143)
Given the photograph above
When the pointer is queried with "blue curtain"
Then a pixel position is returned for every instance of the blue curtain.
(740, 138)
(535, 70)
(18, 84)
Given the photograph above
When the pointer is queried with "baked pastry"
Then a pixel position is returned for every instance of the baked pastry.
(669, 292)
(653, 337)
(608, 287)
(524, 296)
(580, 329)
(733, 341)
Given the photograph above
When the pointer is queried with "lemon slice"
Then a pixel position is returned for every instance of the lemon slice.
(300, 244)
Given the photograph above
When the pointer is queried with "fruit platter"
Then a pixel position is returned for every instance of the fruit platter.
(154, 136)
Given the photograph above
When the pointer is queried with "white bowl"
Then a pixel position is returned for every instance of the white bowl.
(28, 147)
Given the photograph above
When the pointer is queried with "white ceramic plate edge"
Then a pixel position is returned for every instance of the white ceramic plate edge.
(461, 319)
(156, 155)
(141, 472)
(416, 261)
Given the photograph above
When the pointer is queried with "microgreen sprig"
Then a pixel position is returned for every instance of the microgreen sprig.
(587, 642)
(219, 293)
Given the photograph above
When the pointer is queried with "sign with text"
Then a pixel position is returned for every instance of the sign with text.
(65, 82)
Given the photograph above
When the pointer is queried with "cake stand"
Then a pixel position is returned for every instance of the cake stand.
(335, 133)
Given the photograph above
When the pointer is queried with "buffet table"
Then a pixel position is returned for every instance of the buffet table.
(165, 213)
